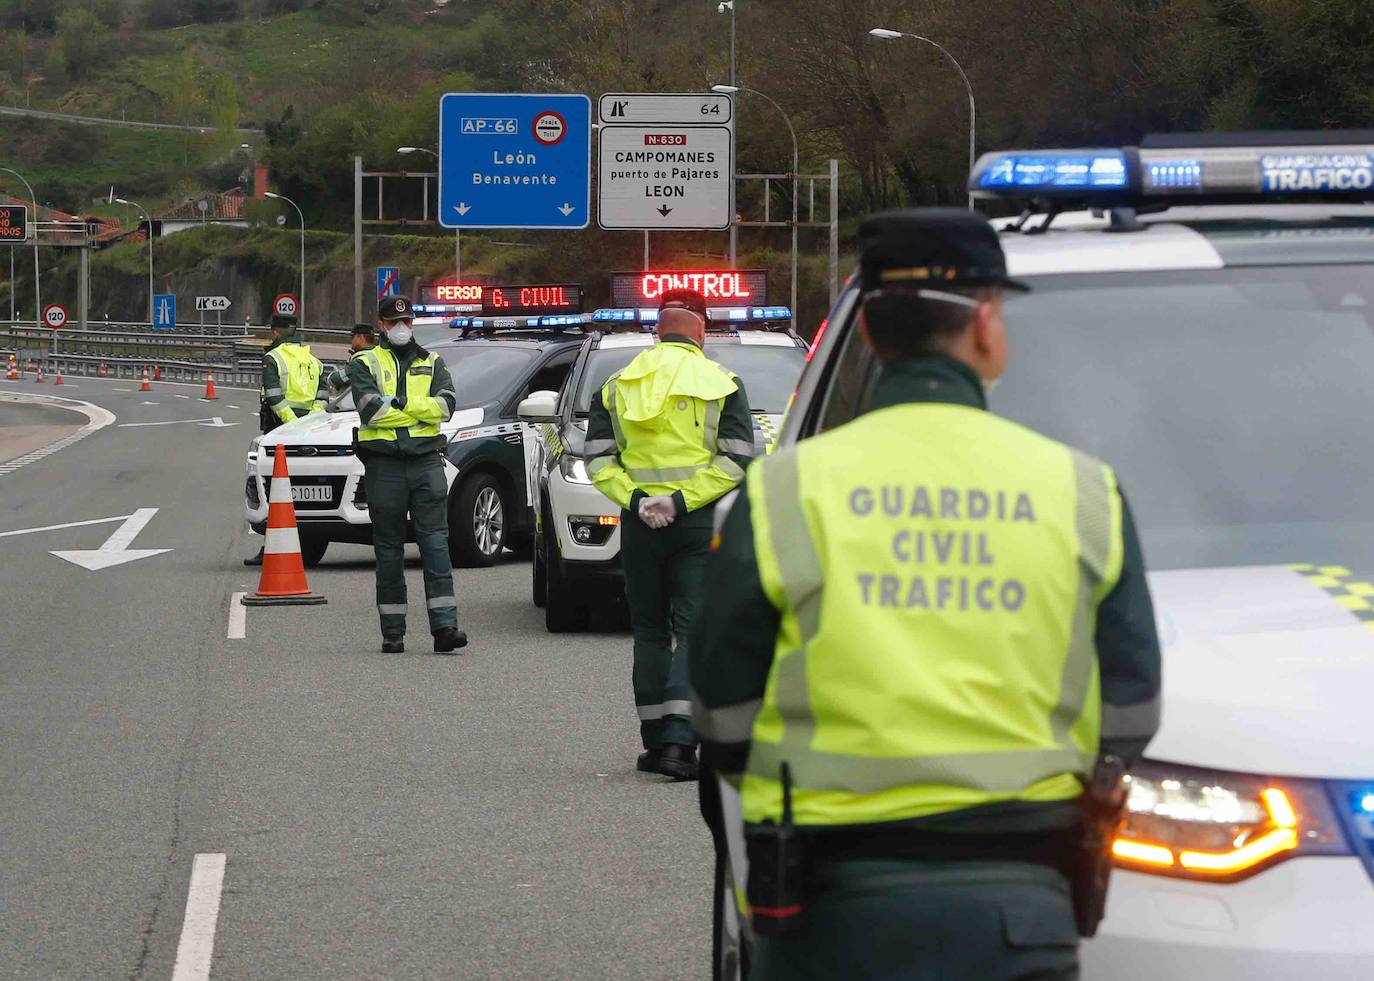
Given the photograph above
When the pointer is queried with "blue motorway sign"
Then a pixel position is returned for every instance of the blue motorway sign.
(164, 311)
(515, 161)
(388, 281)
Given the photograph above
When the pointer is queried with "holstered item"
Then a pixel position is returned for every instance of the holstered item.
(267, 419)
(1104, 811)
(776, 872)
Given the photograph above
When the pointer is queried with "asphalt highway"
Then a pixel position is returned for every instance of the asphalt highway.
(380, 816)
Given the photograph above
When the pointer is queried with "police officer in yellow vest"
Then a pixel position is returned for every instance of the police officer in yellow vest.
(290, 376)
(402, 393)
(926, 624)
(667, 436)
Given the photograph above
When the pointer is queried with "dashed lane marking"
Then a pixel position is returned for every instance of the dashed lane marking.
(197, 945)
(97, 417)
(238, 617)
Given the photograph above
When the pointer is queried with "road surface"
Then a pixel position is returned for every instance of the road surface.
(379, 816)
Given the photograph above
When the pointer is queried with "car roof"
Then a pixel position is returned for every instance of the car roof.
(1207, 237)
(533, 340)
(759, 338)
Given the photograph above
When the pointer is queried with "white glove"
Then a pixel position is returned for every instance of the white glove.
(657, 512)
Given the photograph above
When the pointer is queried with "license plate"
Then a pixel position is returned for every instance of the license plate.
(322, 493)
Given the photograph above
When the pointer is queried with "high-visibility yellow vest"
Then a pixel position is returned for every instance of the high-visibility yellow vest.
(298, 373)
(382, 364)
(665, 407)
(938, 570)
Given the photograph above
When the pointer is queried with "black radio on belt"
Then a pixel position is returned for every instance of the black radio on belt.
(776, 866)
(1104, 811)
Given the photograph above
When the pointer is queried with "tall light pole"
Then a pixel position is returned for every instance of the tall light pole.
(796, 165)
(148, 217)
(886, 35)
(457, 232)
(37, 293)
(281, 197)
(721, 8)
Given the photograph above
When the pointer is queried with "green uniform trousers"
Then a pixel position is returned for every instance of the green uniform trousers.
(396, 485)
(930, 921)
(664, 570)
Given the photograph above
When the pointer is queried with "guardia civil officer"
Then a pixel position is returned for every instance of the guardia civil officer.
(402, 393)
(925, 627)
(291, 385)
(668, 435)
(290, 376)
(362, 338)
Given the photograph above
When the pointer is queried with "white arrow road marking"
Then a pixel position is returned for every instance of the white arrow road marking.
(462, 207)
(214, 422)
(148, 403)
(238, 617)
(69, 524)
(567, 209)
(197, 945)
(116, 549)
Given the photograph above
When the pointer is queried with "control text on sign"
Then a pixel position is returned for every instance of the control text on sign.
(734, 286)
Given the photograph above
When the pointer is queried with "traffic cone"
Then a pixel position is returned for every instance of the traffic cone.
(40, 378)
(210, 386)
(145, 387)
(283, 570)
(13, 373)
(103, 373)
(58, 380)
(157, 372)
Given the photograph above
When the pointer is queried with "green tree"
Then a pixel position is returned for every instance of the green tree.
(82, 42)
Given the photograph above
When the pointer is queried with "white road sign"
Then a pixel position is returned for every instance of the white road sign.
(286, 305)
(211, 303)
(665, 176)
(684, 109)
(55, 315)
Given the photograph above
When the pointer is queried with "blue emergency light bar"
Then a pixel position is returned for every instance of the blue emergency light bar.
(649, 315)
(475, 324)
(1186, 168)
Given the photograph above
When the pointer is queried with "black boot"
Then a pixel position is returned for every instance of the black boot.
(395, 646)
(448, 640)
(255, 560)
(647, 762)
(678, 761)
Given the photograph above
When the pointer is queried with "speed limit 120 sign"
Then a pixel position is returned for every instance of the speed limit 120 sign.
(286, 305)
(55, 315)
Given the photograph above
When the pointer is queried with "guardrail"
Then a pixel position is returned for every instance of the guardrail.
(77, 365)
(185, 347)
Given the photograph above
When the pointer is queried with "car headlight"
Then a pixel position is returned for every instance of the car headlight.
(574, 469)
(1199, 824)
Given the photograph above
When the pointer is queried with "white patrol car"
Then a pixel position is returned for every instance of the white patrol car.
(1202, 318)
(577, 540)
(487, 458)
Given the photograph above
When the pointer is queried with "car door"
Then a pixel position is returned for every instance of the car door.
(549, 376)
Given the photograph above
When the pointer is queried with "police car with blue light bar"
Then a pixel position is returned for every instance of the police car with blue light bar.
(577, 539)
(1202, 317)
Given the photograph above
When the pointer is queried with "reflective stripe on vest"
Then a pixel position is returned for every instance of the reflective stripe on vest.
(384, 368)
(298, 374)
(846, 631)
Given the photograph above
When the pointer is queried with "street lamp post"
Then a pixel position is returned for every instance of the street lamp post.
(721, 7)
(457, 232)
(37, 292)
(281, 197)
(796, 165)
(886, 35)
(148, 217)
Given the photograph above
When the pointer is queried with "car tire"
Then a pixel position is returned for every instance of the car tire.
(539, 575)
(565, 602)
(477, 522)
(312, 550)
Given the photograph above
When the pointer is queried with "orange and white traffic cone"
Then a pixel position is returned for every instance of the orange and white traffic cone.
(157, 372)
(13, 373)
(40, 378)
(145, 387)
(58, 379)
(210, 387)
(283, 570)
(103, 373)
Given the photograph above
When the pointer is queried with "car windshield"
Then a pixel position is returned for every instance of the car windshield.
(769, 372)
(1232, 404)
(481, 372)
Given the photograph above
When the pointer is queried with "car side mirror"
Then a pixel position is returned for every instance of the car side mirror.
(539, 407)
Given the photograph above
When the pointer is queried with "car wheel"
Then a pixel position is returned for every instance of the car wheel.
(565, 604)
(312, 550)
(477, 522)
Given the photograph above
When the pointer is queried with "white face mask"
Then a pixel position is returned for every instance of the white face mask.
(989, 384)
(400, 335)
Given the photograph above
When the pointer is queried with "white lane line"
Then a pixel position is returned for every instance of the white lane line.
(121, 389)
(70, 524)
(97, 418)
(197, 944)
(233, 406)
(177, 396)
(238, 617)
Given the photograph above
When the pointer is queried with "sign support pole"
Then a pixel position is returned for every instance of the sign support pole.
(646, 250)
(358, 240)
(83, 288)
(457, 256)
(834, 230)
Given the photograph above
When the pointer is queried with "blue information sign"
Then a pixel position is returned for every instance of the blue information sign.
(388, 281)
(164, 311)
(514, 161)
